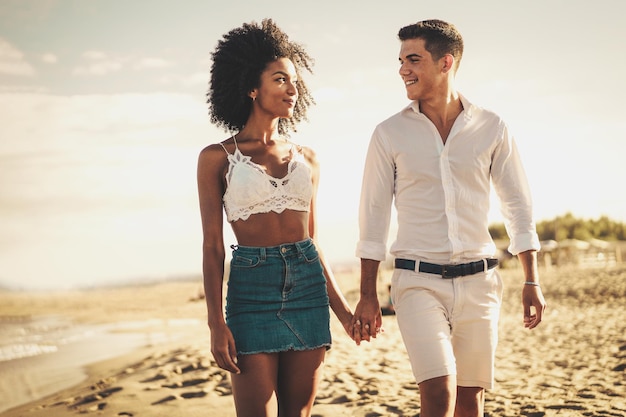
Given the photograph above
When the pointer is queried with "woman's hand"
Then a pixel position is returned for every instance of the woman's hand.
(346, 322)
(223, 348)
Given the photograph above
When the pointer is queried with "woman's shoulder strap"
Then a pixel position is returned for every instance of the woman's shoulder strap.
(234, 138)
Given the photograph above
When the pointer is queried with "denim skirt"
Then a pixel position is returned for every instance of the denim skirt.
(277, 299)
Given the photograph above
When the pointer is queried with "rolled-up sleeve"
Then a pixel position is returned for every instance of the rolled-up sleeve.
(511, 186)
(377, 191)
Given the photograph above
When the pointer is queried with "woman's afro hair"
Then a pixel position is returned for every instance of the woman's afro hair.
(238, 61)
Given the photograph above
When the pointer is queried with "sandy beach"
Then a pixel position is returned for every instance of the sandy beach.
(574, 364)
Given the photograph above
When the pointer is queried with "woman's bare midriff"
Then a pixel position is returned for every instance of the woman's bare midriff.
(272, 229)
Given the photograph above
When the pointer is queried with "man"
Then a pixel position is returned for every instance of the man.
(436, 158)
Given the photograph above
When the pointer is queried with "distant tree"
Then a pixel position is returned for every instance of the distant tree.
(547, 230)
(569, 227)
(498, 231)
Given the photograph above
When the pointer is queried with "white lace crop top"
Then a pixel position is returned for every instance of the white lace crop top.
(251, 190)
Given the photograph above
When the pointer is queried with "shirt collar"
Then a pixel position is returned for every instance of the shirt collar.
(468, 107)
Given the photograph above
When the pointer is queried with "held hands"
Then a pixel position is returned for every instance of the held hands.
(223, 349)
(367, 321)
(534, 305)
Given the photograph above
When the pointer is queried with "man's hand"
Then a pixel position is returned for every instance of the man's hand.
(367, 320)
(532, 297)
(534, 305)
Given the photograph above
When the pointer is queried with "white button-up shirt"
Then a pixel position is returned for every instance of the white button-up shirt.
(442, 192)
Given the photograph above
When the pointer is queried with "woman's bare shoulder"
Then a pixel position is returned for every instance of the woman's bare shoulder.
(217, 147)
(309, 154)
(215, 154)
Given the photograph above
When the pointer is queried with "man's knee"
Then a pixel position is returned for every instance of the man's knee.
(438, 395)
(469, 402)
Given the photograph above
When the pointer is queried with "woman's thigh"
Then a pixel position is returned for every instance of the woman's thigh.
(299, 375)
(254, 389)
(283, 383)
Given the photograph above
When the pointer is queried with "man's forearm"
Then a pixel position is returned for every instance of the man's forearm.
(369, 277)
(528, 259)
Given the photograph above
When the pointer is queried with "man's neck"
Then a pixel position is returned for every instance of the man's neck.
(443, 112)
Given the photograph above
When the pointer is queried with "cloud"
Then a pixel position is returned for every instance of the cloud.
(150, 63)
(98, 63)
(49, 58)
(94, 174)
(94, 55)
(190, 80)
(12, 61)
(65, 123)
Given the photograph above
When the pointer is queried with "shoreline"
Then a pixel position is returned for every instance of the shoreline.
(101, 325)
(573, 364)
(31, 378)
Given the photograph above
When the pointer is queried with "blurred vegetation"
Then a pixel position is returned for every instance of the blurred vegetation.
(570, 227)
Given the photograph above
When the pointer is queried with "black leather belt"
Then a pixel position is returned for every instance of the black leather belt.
(447, 271)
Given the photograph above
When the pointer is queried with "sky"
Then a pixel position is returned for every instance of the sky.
(103, 114)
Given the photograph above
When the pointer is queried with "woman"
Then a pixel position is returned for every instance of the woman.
(275, 333)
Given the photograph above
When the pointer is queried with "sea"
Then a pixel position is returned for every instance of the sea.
(40, 356)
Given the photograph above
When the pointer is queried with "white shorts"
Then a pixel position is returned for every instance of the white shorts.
(449, 326)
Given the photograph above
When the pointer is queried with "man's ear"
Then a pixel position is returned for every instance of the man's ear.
(447, 63)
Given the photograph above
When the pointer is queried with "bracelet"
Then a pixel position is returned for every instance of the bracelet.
(536, 284)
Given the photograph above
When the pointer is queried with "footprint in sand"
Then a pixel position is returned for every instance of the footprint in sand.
(185, 370)
(188, 383)
(165, 400)
(184, 396)
(98, 396)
